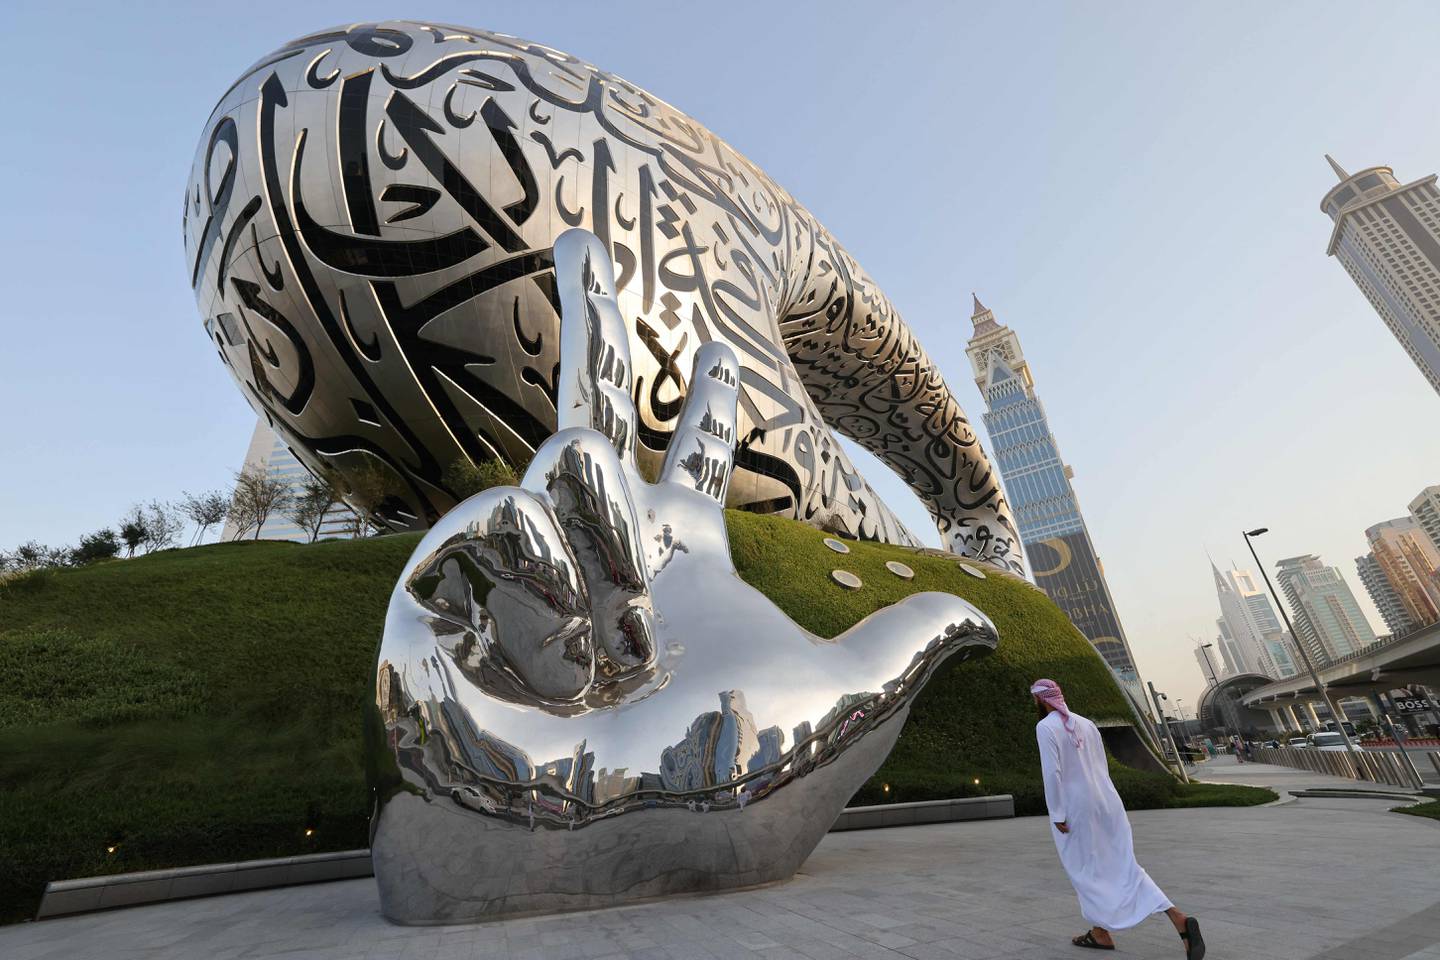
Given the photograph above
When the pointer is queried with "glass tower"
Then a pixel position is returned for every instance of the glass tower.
(1037, 483)
(1249, 622)
(1327, 617)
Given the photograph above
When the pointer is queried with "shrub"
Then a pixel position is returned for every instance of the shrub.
(464, 478)
(100, 545)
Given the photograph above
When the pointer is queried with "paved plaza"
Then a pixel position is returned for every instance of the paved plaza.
(1331, 879)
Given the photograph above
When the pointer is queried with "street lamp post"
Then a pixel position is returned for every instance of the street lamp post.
(1157, 696)
(1204, 650)
(1320, 687)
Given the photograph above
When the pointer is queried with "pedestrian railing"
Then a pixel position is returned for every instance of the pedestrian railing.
(1375, 766)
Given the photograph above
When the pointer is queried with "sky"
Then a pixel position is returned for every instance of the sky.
(1134, 188)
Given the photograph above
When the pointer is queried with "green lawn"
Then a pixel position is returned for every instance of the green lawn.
(204, 705)
(1429, 809)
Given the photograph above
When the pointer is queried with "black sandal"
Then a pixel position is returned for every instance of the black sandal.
(1087, 939)
(1194, 943)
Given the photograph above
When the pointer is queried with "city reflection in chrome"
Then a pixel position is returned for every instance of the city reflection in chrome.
(580, 703)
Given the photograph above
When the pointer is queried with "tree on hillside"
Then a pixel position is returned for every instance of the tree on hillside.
(308, 507)
(100, 545)
(32, 555)
(133, 530)
(162, 526)
(366, 491)
(256, 497)
(205, 510)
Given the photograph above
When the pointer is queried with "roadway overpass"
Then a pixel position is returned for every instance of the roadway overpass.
(1392, 662)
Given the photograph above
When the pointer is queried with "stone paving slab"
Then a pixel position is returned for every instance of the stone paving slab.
(1331, 879)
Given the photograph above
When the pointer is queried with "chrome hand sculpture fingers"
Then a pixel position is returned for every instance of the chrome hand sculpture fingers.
(595, 371)
(702, 451)
(505, 601)
(590, 489)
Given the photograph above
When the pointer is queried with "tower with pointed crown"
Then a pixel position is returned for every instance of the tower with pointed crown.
(1037, 484)
(991, 341)
(1250, 631)
(1387, 237)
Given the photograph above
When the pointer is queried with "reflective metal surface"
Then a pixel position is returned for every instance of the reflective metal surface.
(368, 229)
(578, 701)
(836, 545)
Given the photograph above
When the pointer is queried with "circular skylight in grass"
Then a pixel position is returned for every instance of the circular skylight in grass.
(899, 569)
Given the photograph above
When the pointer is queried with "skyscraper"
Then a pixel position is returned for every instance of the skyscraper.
(1425, 508)
(1230, 656)
(1037, 484)
(1383, 595)
(1410, 564)
(269, 453)
(1387, 236)
(1249, 622)
(1327, 617)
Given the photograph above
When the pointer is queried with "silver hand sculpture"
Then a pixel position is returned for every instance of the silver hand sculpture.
(582, 703)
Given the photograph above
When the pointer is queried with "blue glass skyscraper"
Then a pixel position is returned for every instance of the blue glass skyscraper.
(1037, 483)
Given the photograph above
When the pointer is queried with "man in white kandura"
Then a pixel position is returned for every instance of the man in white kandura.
(1091, 831)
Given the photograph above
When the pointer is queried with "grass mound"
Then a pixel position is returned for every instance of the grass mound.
(192, 706)
(204, 705)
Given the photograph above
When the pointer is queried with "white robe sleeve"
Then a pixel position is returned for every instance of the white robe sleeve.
(1050, 769)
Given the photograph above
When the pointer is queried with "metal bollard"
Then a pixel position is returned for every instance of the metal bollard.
(1413, 779)
(1340, 766)
(1407, 768)
(1355, 766)
(1435, 760)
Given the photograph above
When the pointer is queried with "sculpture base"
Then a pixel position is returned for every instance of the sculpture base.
(438, 863)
